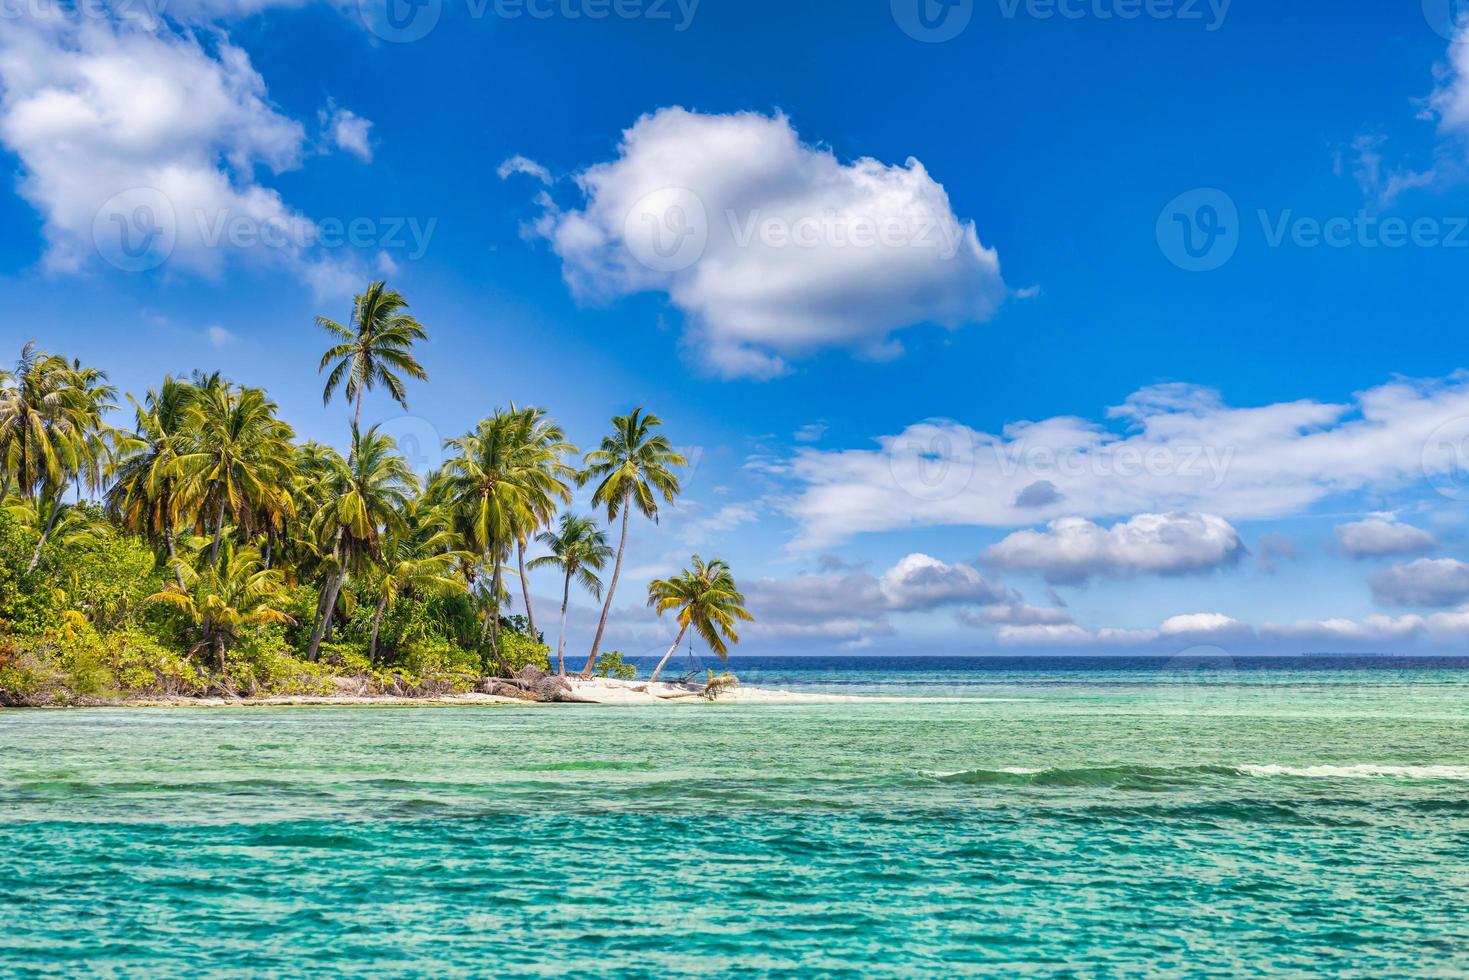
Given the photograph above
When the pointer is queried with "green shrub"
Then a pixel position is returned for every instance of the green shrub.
(610, 664)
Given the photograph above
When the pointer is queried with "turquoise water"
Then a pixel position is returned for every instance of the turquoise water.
(1073, 819)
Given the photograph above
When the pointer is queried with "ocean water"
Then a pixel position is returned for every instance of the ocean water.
(1082, 817)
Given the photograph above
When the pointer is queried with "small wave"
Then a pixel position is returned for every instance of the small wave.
(591, 765)
(1156, 777)
(1363, 771)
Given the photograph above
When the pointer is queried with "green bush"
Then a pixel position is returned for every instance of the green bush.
(610, 664)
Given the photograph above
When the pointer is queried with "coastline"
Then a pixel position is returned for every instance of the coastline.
(595, 691)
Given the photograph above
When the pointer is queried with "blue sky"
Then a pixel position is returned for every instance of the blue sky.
(1038, 172)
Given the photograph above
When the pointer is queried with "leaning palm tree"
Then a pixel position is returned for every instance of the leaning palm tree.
(633, 467)
(365, 497)
(707, 600)
(376, 346)
(224, 596)
(419, 556)
(580, 550)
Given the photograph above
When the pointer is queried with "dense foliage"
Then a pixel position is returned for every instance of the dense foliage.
(201, 549)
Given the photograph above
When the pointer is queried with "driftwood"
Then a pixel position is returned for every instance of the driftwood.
(530, 684)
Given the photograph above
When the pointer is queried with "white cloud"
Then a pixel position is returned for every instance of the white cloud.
(1073, 549)
(1375, 629)
(1425, 582)
(1201, 624)
(853, 606)
(920, 582)
(773, 248)
(1015, 614)
(347, 131)
(1379, 537)
(219, 336)
(524, 165)
(1450, 100)
(141, 144)
(1179, 448)
(811, 432)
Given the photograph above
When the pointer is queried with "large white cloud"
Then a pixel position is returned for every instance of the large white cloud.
(142, 143)
(853, 606)
(1426, 582)
(772, 248)
(1378, 537)
(1073, 549)
(1167, 448)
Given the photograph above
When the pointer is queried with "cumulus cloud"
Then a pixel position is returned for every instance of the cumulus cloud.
(1014, 614)
(1168, 448)
(347, 131)
(852, 606)
(1450, 100)
(1073, 549)
(1379, 537)
(140, 143)
(1042, 493)
(771, 247)
(1426, 582)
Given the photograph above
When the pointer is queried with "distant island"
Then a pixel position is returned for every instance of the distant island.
(203, 552)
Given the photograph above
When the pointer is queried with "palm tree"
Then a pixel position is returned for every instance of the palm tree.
(224, 596)
(366, 495)
(419, 557)
(237, 461)
(51, 431)
(707, 600)
(580, 550)
(634, 467)
(145, 495)
(377, 343)
(547, 441)
(502, 480)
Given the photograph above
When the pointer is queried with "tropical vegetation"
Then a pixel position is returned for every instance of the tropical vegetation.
(187, 542)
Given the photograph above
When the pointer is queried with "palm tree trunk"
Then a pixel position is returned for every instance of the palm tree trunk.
(218, 530)
(173, 554)
(357, 418)
(561, 640)
(326, 615)
(530, 614)
(377, 621)
(611, 588)
(495, 584)
(659, 669)
(50, 526)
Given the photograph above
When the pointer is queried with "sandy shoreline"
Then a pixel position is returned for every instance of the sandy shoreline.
(597, 690)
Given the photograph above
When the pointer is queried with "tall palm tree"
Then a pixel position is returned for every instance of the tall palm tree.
(376, 345)
(224, 596)
(52, 431)
(237, 461)
(365, 497)
(420, 557)
(502, 480)
(580, 550)
(145, 495)
(633, 467)
(547, 441)
(707, 600)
